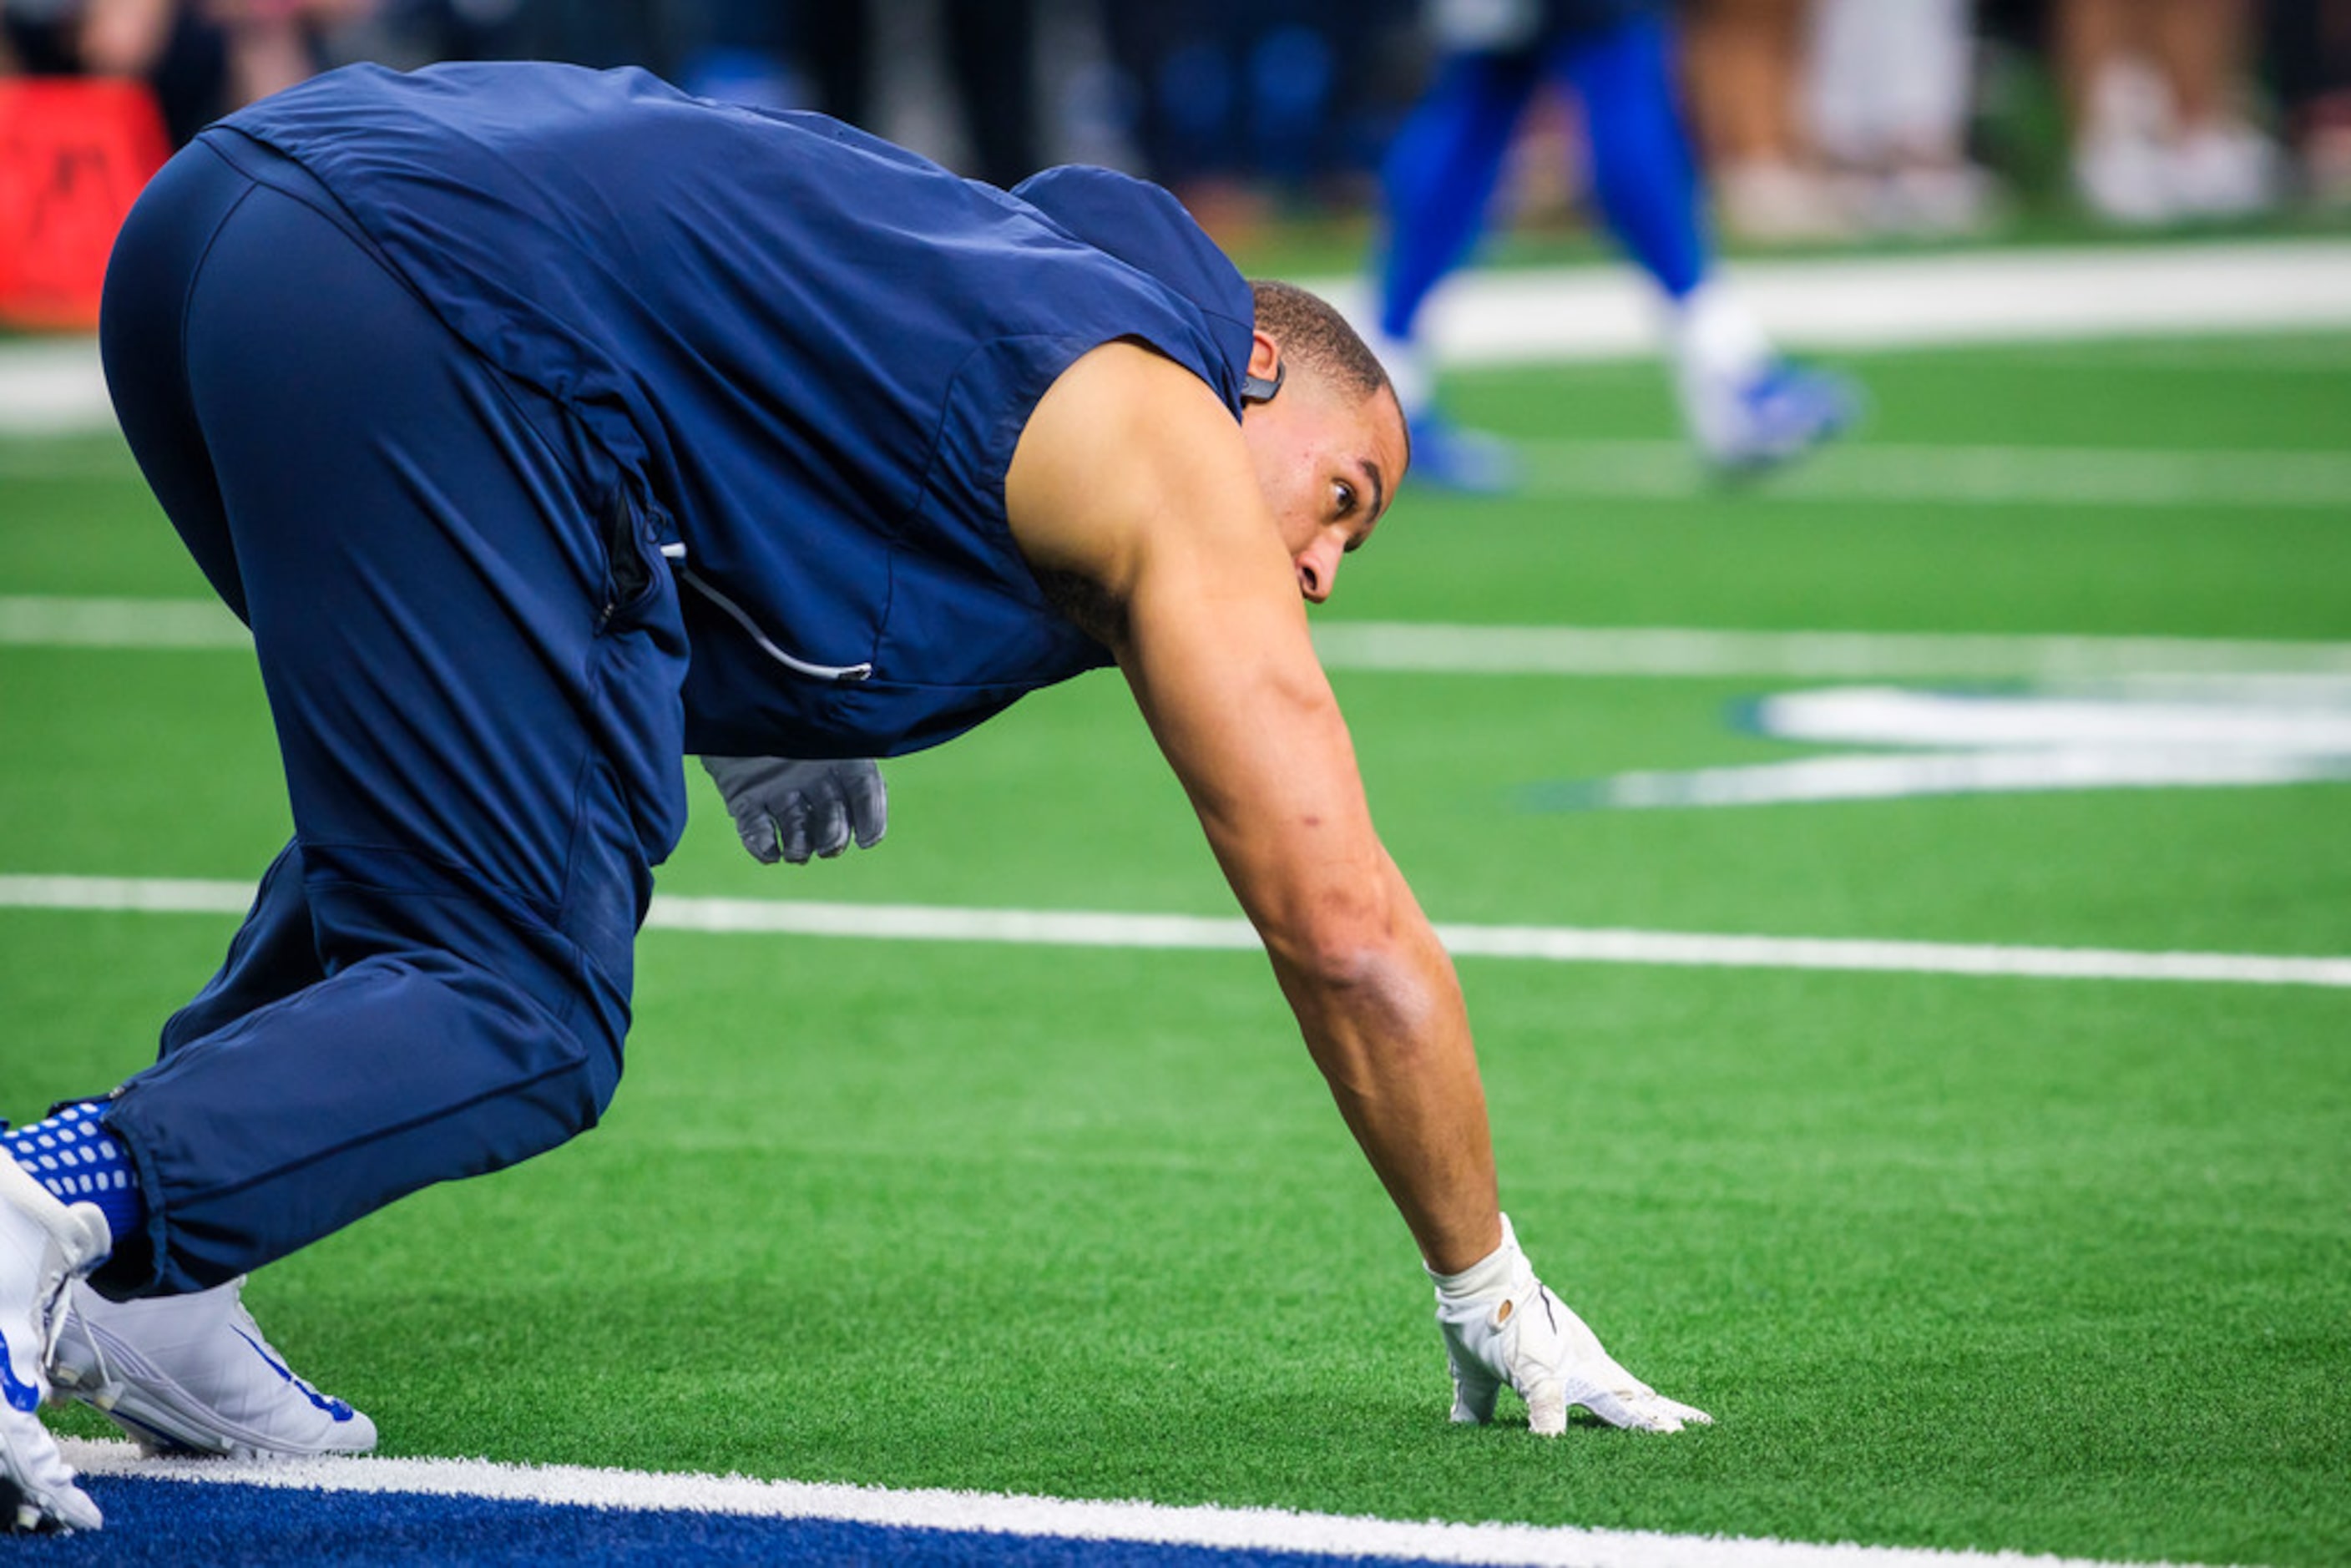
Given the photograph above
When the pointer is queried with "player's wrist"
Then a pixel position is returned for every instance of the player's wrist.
(1490, 1274)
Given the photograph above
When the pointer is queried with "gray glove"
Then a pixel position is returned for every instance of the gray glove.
(789, 810)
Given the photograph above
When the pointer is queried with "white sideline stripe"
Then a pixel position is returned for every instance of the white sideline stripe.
(1231, 1529)
(1557, 944)
(1435, 648)
(1606, 311)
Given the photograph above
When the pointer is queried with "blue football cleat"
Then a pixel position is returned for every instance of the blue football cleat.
(1781, 412)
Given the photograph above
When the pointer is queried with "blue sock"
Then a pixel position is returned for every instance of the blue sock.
(1642, 173)
(75, 1157)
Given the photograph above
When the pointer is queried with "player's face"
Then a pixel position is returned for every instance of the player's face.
(1329, 465)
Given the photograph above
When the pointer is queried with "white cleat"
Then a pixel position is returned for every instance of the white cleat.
(43, 1246)
(192, 1374)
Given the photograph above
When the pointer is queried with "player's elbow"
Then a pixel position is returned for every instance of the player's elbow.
(1339, 962)
(1354, 947)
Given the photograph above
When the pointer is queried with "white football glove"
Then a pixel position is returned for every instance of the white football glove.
(789, 810)
(1501, 1325)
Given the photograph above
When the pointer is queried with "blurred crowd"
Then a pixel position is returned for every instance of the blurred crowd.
(1816, 120)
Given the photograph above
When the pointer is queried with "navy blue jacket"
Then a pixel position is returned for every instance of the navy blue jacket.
(797, 351)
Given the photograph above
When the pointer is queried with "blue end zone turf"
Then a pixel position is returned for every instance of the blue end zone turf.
(171, 1524)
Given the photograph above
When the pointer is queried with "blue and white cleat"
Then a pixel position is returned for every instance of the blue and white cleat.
(45, 1246)
(192, 1374)
(1445, 456)
(1774, 416)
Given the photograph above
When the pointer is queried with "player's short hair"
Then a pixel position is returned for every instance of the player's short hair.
(1315, 338)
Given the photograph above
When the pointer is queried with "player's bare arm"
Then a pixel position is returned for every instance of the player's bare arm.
(1133, 478)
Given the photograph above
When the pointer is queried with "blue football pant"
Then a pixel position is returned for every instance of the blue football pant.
(481, 732)
(1441, 171)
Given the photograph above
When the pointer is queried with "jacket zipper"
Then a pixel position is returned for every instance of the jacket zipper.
(840, 674)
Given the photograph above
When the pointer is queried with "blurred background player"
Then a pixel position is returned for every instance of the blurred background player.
(1747, 62)
(1744, 406)
(1888, 85)
(988, 48)
(2309, 48)
(200, 58)
(2159, 94)
(1242, 107)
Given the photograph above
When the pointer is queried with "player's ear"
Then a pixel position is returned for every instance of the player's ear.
(1266, 369)
(1265, 356)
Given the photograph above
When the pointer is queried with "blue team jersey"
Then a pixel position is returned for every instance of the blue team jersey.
(798, 356)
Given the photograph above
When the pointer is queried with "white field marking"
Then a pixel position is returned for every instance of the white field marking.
(1959, 475)
(27, 621)
(2230, 721)
(53, 386)
(1824, 779)
(1557, 944)
(1607, 311)
(2119, 736)
(1437, 649)
(137, 895)
(1863, 472)
(999, 1513)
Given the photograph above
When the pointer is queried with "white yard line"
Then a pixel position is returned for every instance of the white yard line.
(28, 620)
(1231, 1529)
(1063, 928)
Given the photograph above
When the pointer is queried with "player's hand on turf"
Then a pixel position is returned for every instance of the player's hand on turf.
(1501, 1325)
(789, 810)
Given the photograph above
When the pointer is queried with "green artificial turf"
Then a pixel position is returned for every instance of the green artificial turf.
(2045, 1266)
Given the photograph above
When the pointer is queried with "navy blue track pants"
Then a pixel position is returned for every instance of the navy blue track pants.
(473, 660)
